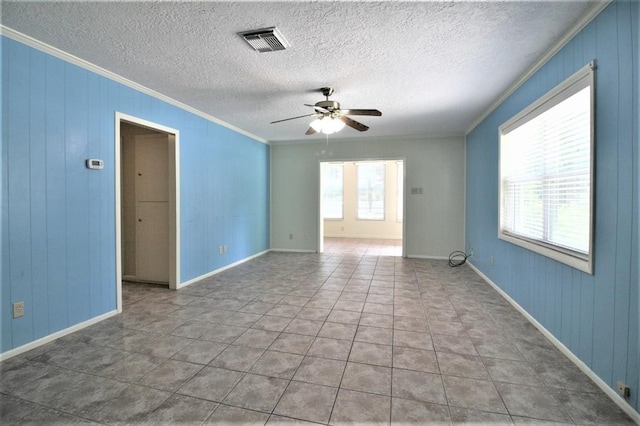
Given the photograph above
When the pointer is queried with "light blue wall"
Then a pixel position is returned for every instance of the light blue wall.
(58, 218)
(595, 316)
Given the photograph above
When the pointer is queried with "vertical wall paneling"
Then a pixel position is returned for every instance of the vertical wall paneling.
(559, 289)
(18, 158)
(93, 190)
(575, 300)
(58, 217)
(5, 290)
(566, 311)
(38, 187)
(606, 185)
(108, 95)
(625, 190)
(57, 290)
(585, 345)
(633, 362)
(76, 138)
(595, 316)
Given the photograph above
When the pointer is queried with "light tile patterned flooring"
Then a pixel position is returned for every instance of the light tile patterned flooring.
(363, 246)
(284, 338)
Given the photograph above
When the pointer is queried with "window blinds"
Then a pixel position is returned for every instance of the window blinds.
(546, 170)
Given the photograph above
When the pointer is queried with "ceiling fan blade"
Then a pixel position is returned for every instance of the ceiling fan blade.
(317, 108)
(293, 118)
(354, 124)
(310, 131)
(373, 112)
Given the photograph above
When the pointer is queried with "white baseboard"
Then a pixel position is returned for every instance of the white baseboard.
(292, 250)
(58, 334)
(410, 256)
(624, 405)
(217, 271)
(365, 236)
(420, 256)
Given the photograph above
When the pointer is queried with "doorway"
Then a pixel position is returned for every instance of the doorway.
(362, 207)
(147, 207)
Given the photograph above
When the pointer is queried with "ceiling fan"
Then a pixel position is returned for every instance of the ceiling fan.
(330, 118)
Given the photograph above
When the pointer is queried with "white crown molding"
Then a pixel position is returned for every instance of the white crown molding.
(67, 57)
(575, 29)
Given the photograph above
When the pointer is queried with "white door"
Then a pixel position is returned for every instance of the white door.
(152, 207)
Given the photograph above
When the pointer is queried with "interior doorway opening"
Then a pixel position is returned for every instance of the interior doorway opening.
(362, 207)
(147, 204)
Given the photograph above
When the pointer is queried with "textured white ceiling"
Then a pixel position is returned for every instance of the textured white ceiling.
(431, 67)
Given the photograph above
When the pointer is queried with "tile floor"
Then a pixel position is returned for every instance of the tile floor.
(296, 338)
(363, 246)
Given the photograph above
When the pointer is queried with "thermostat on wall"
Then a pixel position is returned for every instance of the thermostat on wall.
(94, 163)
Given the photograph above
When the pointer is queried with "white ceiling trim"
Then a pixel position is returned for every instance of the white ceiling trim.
(67, 57)
(591, 14)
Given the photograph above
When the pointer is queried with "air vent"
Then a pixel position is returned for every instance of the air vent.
(265, 40)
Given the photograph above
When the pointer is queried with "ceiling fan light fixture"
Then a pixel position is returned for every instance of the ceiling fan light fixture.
(336, 124)
(330, 118)
(327, 125)
(316, 124)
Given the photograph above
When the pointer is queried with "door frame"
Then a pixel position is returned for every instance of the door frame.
(320, 222)
(174, 199)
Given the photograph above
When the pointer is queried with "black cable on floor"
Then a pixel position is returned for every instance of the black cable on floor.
(457, 258)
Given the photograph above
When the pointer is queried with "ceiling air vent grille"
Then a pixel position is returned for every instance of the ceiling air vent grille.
(265, 40)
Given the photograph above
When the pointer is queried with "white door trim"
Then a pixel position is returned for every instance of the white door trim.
(174, 201)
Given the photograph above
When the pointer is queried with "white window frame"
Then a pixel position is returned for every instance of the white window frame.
(581, 79)
(384, 190)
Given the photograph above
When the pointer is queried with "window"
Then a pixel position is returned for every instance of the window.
(371, 190)
(400, 189)
(332, 185)
(546, 179)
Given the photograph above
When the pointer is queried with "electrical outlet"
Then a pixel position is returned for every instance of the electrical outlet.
(224, 249)
(492, 261)
(623, 390)
(18, 309)
(291, 236)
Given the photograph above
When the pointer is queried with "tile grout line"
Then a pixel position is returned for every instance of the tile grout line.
(242, 283)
